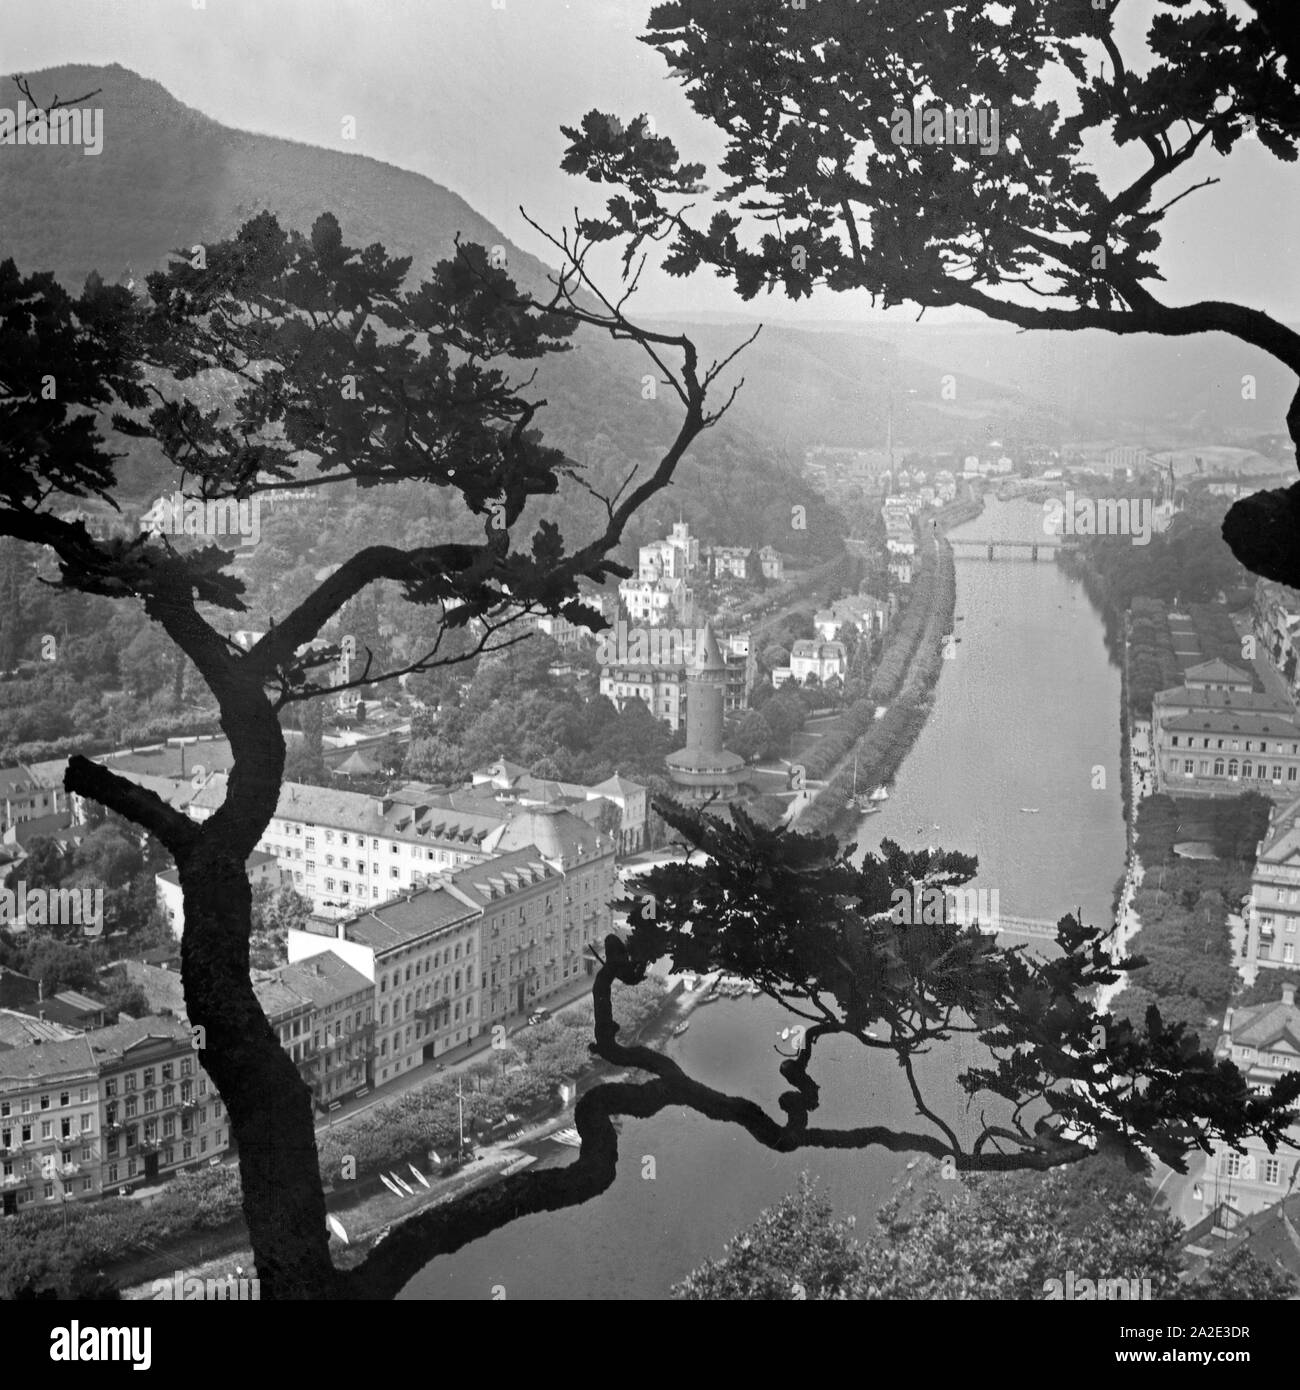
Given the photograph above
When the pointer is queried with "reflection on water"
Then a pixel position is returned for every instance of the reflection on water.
(1027, 714)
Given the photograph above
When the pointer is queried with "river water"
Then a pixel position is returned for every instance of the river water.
(1025, 715)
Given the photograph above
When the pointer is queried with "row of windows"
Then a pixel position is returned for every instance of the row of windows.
(47, 1130)
(1247, 769)
(1233, 745)
(1231, 1165)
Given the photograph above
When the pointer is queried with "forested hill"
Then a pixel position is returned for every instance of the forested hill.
(170, 177)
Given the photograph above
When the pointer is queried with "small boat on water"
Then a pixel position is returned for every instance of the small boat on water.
(1030, 810)
(880, 794)
(336, 1226)
(390, 1185)
(681, 1028)
(569, 1136)
(403, 1184)
(419, 1176)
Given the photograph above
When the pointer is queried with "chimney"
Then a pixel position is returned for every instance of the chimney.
(1288, 995)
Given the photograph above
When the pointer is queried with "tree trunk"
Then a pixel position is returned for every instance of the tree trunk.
(268, 1103)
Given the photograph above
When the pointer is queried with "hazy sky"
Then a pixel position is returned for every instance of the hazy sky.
(472, 93)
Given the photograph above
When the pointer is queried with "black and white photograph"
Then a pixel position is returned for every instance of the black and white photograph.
(649, 652)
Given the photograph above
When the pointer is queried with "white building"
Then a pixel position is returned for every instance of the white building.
(658, 602)
(820, 659)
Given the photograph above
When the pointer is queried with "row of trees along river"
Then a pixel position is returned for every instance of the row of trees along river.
(1024, 716)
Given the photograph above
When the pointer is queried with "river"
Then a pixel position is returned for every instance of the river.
(1024, 716)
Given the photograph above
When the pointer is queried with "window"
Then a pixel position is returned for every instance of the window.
(63, 1097)
(148, 1076)
(1272, 1170)
(1231, 1165)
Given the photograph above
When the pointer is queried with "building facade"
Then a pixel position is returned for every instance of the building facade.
(49, 1124)
(322, 1009)
(343, 850)
(420, 954)
(1272, 936)
(1263, 1043)
(159, 1111)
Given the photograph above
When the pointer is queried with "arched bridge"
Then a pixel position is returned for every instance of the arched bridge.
(1006, 550)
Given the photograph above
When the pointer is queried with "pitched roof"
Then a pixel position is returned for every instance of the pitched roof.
(1217, 670)
(1252, 701)
(1262, 1025)
(46, 1061)
(412, 815)
(18, 1029)
(323, 979)
(1235, 721)
(112, 1043)
(554, 833)
(500, 877)
(618, 785)
(407, 918)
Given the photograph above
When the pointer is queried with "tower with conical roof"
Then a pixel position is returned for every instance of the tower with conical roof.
(704, 766)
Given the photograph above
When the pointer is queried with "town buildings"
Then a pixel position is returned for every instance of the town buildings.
(812, 658)
(159, 1113)
(343, 850)
(106, 1110)
(322, 1009)
(868, 615)
(660, 687)
(419, 953)
(1216, 736)
(1273, 922)
(676, 557)
(1263, 1042)
(660, 602)
(26, 796)
(49, 1123)
(741, 658)
(510, 785)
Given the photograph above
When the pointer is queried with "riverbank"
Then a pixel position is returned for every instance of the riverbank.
(370, 1210)
(908, 672)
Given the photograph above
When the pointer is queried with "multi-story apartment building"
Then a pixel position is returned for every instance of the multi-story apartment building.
(900, 568)
(658, 602)
(323, 1011)
(347, 850)
(1273, 923)
(741, 657)
(159, 1111)
(1231, 743)
(1264, 1044)
(661, 688)
(420, 954)
(542, 906)
(49, 1124)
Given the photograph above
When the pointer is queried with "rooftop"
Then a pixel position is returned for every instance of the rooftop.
(403, 920)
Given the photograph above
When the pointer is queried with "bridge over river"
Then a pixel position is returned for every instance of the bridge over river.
(997, 548)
